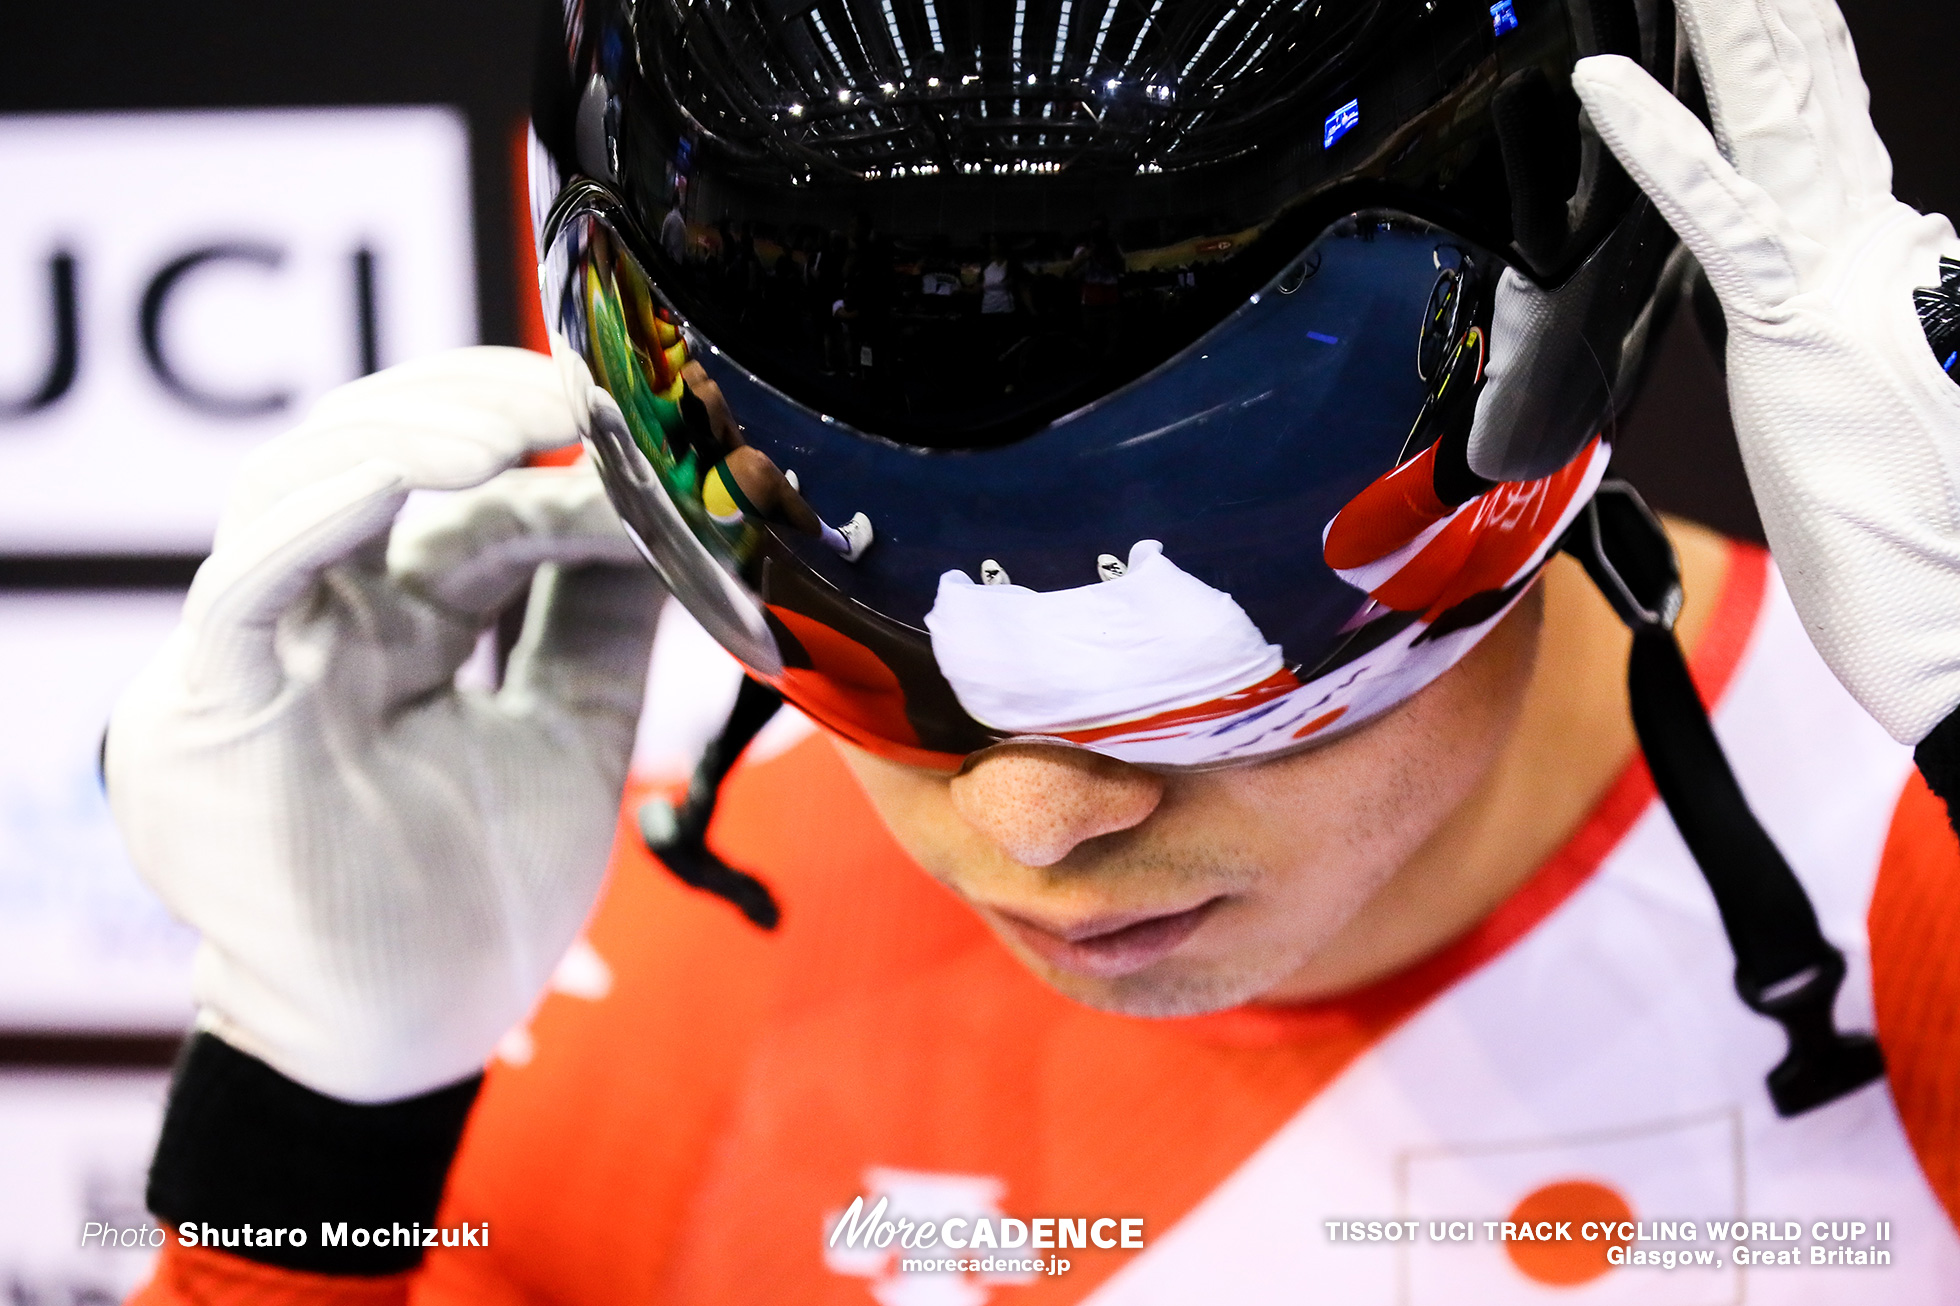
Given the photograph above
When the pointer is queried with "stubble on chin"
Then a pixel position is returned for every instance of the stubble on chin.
(1174, 989)
(1172, 997)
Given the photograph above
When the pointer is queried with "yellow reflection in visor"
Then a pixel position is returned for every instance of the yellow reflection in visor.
(638, 357)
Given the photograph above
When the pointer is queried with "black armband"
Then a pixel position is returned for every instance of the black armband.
(254, 1157)
(1938, 756)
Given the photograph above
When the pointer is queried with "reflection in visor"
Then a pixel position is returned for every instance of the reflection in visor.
(1281, 584)
(827, 199)
(626, 363)
(637, 355)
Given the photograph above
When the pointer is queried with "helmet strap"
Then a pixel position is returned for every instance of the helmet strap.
(679, 838)
(1785, 968)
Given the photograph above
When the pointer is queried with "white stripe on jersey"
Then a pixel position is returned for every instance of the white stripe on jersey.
(1608, 1044)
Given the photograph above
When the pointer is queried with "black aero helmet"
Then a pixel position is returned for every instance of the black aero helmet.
(1190, 380)
(1299, 322)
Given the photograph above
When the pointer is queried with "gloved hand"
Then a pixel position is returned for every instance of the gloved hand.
(386, 869)
(1849, 428)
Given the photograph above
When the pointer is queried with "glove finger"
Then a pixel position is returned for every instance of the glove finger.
(1729, 223)
(1778, 104)
(240, 592)
(1862, 162)
(1757, 82)
(450, 420)
(318, 494)
(476, 549)
(582, 659)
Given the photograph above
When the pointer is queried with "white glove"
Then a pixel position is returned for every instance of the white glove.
(1849, 429)
(386, 869)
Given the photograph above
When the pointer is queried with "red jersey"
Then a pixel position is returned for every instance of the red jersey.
(696, 1102)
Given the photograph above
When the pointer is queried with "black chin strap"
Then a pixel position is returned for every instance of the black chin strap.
(1784, 967)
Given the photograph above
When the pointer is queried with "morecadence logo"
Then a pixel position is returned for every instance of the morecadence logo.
(918, 1236)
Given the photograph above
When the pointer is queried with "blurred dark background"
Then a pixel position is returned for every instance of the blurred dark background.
(122, 54)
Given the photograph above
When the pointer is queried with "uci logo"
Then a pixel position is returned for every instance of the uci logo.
(152, 312)
(176, 287)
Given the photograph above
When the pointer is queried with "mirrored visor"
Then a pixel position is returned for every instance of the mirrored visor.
(1151, 576)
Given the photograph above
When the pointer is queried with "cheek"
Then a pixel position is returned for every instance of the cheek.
(1331, 827)
(916, 807)
(1328, 832)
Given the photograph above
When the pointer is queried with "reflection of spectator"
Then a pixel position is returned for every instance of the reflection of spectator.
(1002, 287)
(939, 276)
(724, 253)
(742, 269)
(1003, 296)
(827, 283)
(782, 291)
(673, 230)
(867, 298)
(1099, 265)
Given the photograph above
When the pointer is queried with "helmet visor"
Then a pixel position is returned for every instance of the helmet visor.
(1240, 619)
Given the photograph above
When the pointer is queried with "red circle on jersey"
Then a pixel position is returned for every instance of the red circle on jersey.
(1564, 1264)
